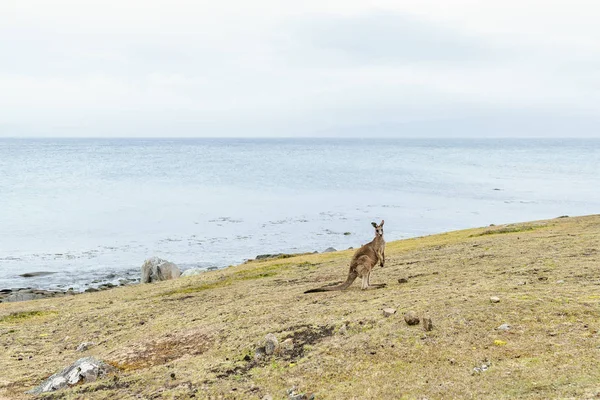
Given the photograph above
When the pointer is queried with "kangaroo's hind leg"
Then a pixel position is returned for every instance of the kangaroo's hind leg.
(375, 285)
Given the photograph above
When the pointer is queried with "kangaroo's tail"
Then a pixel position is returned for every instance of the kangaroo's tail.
(351, 277)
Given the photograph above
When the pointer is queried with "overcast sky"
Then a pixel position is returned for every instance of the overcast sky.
(478, 68)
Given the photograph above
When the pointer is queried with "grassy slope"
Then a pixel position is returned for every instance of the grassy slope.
(200, 328)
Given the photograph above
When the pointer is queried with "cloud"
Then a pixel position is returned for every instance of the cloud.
(270, 68)
(379, 38)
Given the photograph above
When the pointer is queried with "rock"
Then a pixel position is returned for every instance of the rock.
(91, 290)
(268, 256)
(84, 346)
(36, 274)
(156, 269)
(287, 345)
(106, 286)
(343, 330)
(271, 344)
(12, 295)
(259, 353)
(427, 323)
(495, 299)
(267, 397)
(329, 250)
(411, 318)
(192, 272)
(292, 395)
(504, 327)
(560, 282)
(388, 312)
(402, 280)
(84, 370)
(347, 233)
(484, 367)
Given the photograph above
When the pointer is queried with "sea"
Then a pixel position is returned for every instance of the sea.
(90, 211)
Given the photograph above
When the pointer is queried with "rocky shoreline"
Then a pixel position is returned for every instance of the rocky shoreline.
(25, 294)
(30, 293)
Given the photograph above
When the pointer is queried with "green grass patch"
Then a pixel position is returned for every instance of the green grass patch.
(22, 316)
(508, 229)
(244, 275)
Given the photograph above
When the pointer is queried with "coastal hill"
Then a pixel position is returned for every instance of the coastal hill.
(515, 312)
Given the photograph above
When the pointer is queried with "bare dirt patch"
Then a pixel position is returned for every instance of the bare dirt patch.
(161, 351)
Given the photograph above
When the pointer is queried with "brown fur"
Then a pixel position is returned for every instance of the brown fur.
(363, 262)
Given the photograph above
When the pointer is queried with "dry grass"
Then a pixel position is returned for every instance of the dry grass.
(196, 336)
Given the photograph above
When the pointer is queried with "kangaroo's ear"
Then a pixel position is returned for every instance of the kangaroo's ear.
(381, 224)
(374, 224)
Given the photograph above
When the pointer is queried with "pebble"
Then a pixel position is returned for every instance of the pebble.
(84, 346)
(503, 327)
(411, 318)
(388, 312)
(427, 323)
(271, 344)
(495, 299)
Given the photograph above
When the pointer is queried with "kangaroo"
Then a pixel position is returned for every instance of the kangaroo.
(363, 262)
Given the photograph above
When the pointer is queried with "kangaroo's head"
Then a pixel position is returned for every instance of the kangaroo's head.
(378, 228)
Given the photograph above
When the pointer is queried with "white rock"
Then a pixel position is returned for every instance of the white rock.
(86, 369)
(503, 327)
(192, 272)
(156, 269)
(84, 346)
(495, 299)
(388, 312)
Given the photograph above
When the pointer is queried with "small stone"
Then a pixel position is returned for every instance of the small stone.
(287, 345)
(411, 318)
(259, 354)
(495, 299)
(271, 344)
(388, 312)
(267, 397)
(402, 280)
(343, 330)
(84, 346)
(427, 323)
(560, 281)
(504, 327)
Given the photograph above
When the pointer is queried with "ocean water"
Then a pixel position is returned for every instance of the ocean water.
(91, 210)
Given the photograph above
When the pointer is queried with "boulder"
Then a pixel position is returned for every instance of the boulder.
(192, 272)
(84, 370)
(156, 269)
(329, 250)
